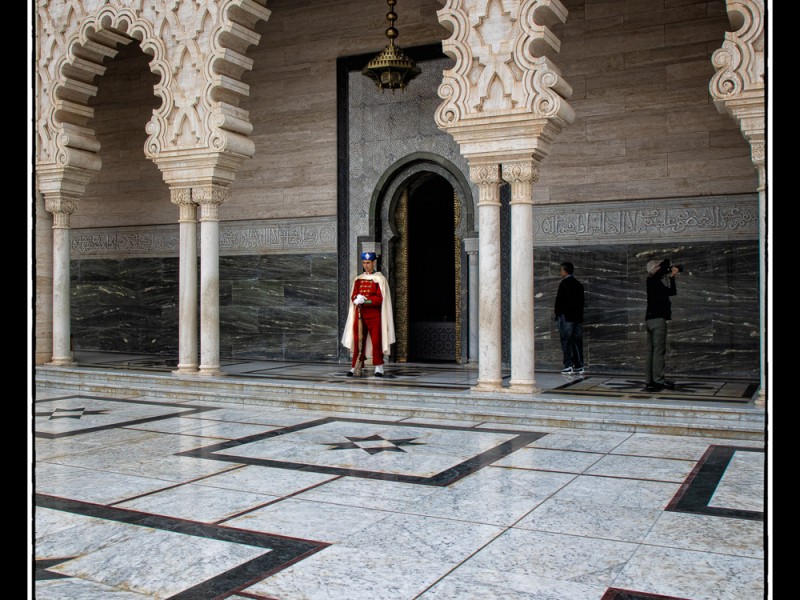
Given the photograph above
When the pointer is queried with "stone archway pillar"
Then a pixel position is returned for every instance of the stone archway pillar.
(504, 102)
(738, 89)
(487, 176)
(199, 181)
(61, 186)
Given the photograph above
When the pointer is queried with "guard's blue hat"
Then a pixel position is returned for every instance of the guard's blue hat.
(368, 256)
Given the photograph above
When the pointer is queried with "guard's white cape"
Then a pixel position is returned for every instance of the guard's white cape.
(387, 317)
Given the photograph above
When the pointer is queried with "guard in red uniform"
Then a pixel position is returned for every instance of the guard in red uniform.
(369, 331)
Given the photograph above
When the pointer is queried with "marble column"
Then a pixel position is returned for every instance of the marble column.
(521, 176)
(61, 209)
(490, 376)
(209, 197)
(187, 285)
(471, 247)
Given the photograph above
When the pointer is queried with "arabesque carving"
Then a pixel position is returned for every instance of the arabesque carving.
(740, 61)
(738, 85)
(200, 70)
(501, 70)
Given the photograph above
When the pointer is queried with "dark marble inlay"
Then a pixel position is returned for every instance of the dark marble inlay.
(696, 492)
(181, 410)
(279, 551)
(442, 479)
(618, 594)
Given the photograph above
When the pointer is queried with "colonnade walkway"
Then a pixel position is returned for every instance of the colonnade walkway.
(289, 481)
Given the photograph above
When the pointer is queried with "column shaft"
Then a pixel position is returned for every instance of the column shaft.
(520, 175)
(61, 208)
(209, 198)
(471, 245)
(62, 354)
(490, 376)
(187, 285)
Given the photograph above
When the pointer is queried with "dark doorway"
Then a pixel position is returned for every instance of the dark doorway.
(431, 272)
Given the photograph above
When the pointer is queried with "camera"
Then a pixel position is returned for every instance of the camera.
(667, 265)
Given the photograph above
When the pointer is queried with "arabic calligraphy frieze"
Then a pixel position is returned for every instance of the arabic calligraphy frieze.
(712, 218)
(125, 241)
(317, 235)
(235, 238)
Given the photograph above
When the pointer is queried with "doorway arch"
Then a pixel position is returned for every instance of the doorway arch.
(425, 206)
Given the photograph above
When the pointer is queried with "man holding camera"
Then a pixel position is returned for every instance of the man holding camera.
(660, 287)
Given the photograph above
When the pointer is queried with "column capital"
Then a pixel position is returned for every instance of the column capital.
(487, 176)
(484, 173)
(521, 170)
(209, 196)
(521, 175)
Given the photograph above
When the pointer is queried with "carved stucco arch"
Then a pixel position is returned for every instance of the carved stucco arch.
(199, 86)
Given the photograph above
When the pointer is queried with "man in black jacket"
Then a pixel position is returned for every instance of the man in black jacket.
(660, 287)
(569, 317)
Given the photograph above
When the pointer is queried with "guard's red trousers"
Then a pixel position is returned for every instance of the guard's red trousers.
(371, 325)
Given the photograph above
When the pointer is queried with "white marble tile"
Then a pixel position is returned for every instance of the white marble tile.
(582, 439)
(309, 520)
(83, 412)
(198, 503)
(89, 485)
(724, 535)
(620, 492)
(494, 498)
(577, 559)
(266, 480)
(48, 521)
(117, 436)
(490, 584)
(691, 574)
(258, 415)
(369, 493)
(591, 519)
(542, 459)
(171, 425)
(674, 446)
(343, 573)
(139, 564)
(80, 589)
(62, 534)
(643, 467)
(742, 484)
(230, 431)
(449, 540)
(51, 449)
(177, 469)
(120, 457)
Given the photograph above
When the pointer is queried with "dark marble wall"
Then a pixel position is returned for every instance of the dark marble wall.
(715, 315)
(271, 306)
(285, 307)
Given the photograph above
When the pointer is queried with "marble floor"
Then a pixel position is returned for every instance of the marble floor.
(139, 496)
